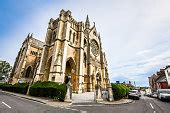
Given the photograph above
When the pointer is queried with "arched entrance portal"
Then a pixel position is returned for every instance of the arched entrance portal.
(71, 71)
(47, 69)
(28, 72)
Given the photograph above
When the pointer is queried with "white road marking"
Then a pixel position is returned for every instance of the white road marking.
(72, 109)
(6, 104)
(151, 106)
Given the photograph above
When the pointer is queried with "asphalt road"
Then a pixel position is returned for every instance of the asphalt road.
(144, 105)
(12, 104)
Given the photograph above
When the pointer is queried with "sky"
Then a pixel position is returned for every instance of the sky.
(135, 34)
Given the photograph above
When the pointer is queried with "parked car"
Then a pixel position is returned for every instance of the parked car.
(163, 94)
(134, 94)
(154, 95)
(147, 94)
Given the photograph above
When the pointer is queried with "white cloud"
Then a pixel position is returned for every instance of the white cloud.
(143, 52)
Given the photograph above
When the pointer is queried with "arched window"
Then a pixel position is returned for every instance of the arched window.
(85, 60)
(28, 72)
(74, 37)
(85, 42)
(94, 33)
(70, 35)
(54, 36)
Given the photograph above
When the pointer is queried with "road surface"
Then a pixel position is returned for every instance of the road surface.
(13, 104)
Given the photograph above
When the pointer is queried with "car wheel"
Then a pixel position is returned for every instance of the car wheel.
(162, 99)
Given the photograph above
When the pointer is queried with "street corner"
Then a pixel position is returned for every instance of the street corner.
(117, 102)
(59, 104)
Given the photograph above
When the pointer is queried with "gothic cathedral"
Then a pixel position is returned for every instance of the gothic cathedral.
(71, 49)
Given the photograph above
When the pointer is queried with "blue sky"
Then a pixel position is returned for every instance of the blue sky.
(135, 33)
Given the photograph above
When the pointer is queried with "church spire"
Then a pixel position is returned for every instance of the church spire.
(87, 23)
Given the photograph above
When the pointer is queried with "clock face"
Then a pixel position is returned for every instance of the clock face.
(94, 48)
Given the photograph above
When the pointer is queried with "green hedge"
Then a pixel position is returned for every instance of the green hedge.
(1, 84)
(48, 89)
(17, 88)
(119, 91)
(20, 88)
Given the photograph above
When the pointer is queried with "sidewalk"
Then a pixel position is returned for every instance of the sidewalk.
(42, 100)
(118, 102)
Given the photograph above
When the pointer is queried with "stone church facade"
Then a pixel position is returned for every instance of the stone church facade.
(27, 60)
(71, 49)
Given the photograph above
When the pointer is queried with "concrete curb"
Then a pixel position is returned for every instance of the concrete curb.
(114, 102)
(20, 96)
(43, 101)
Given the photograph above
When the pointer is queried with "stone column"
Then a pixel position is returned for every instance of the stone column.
(81, 58)
(57, 54)
(110, 93)
(44, 57)
(65, 48)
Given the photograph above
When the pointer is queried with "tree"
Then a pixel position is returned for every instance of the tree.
(5, 68)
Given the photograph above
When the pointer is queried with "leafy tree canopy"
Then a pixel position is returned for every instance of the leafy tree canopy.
(5, 68)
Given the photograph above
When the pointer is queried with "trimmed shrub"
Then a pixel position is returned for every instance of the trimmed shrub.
(119, 91)
(1, 84)
(18, 87)
(48, 89)
(7, 87)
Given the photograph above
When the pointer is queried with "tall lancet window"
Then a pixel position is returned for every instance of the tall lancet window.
(85, 60)
(54, 36)
(74, 37)
(70, 35)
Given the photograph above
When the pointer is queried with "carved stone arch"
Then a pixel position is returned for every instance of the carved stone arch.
(72, 62)
(71, 71)
(94, 30)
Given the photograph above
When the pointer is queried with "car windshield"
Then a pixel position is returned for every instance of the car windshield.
(133, 91)
(164, 91)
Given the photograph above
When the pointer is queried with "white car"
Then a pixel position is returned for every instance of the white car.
(163, 94)
(154, 95)
(134, 94)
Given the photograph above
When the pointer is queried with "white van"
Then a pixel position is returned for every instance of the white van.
(163, 94)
